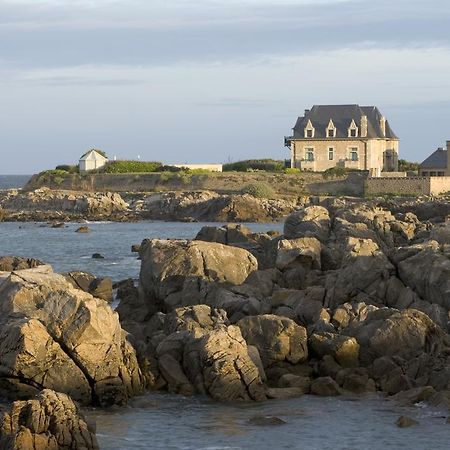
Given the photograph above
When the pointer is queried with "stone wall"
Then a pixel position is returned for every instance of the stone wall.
(221, 182)
(408, 186)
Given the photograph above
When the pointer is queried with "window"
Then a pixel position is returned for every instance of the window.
(330, 154)
(331, 132)
(353, 130)
(353, 154)
(432, 174)
(309, 133)
(440, 174)
(309, 154)
(309, 130)
(424, 174)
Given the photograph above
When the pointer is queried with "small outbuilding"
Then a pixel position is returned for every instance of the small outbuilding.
(91, 160)
(437, 164)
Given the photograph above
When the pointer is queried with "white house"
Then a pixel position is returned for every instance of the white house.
(92, 160)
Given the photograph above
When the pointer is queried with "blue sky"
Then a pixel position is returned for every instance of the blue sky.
(212, 80)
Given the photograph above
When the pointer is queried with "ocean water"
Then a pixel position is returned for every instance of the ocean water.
(13, 181)
(163, 421)
(67, 250)
(170, 422)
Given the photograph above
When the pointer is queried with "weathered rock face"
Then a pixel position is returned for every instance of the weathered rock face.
(47, 204)
(98, 287)
(10, 263)
(54, 336)
(277, 338)
(178, 272)
(426, 269)
(213, 207)
(50, 422)
(218, 364)
(405, 334)
(313, 221)
(198, 351)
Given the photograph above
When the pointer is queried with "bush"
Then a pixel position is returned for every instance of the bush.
(131, 167)
(407, 166)
(259, 190)
(268, 165)
(68, 168)
(291, 170)
(334, 172)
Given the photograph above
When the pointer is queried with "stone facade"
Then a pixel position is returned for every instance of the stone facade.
(347, 136)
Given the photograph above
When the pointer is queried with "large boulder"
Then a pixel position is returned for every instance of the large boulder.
(277, 338)
(58, 337)
(426, 269)
(179, 272)
(300, 252)
(218, 364)
(313, 221)
(52, 421)
(405, 334)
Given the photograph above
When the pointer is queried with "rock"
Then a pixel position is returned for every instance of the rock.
(178, 273)
(98, 256)
(426, 269)
(57, 337)
(264, 421)
(218, 364)
(415, 395)
(344, 349)
(277, 338)
(313, 221)
(405, 334)
(58, 225)
(83, 229)
(325, 386)
(405, 422)
(52, 421)
(303, 252)
(289, 380)
(174, 375)
(284, 393)
(11, 263)
(355, 380)
(98, 287)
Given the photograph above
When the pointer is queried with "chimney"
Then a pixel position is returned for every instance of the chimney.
(363, 126)
(306, 112)
(383, 125)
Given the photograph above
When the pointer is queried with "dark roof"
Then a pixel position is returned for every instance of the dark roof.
(437, 160)
(342, 116)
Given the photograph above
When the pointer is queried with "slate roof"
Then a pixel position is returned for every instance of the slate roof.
(437, 160)
(342, 116)
(92, 152)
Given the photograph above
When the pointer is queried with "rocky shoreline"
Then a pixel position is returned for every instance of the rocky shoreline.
(353, 297)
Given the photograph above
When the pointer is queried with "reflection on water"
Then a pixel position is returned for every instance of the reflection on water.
(163, 421)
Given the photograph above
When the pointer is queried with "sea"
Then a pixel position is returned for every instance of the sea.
(165, 421)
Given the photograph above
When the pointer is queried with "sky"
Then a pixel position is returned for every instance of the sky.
(204, 81)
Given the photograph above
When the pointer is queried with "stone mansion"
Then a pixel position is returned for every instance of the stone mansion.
(348, 136)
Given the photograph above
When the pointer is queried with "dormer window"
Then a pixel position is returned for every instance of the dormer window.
(331, 130)
(309, 130)
(353, 130)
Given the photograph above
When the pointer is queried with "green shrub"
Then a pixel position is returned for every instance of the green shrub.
(131, 167)
(259, 190)
(68, 168)
(334, 172)
(291, 170)
(407, 166)
(268, 165)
